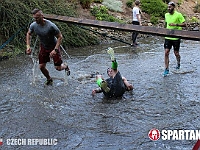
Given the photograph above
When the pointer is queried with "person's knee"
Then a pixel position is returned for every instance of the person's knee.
(42, 66)
(176, 53)
(167, 52)
(58, 68)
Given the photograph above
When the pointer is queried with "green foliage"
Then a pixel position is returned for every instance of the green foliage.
(197, 8)
(179, 2)
(19, 17)
(155, 8)
(194, 20)
(85, 3)
(97, 1)
(166, 1)
(154, 20)
(97, 11)
(129, 3)
(101, 13)
(114, 5)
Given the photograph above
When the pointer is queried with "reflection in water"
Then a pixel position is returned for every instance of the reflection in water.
(80, 121)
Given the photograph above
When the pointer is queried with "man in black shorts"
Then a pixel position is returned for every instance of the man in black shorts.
(173, 20)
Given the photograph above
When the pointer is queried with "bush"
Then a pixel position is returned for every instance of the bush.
(156, 8)
(99, 10)
(97, 1)
(197, 8)
(194, 20)
(129, 3)
(85, 3)
(114, 5)
(166, 1)
(19, 17)
(154, 20)
(101, 13)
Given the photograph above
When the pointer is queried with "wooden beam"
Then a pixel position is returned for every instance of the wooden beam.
(183, 34)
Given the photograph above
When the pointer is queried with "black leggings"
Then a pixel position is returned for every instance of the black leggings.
(135, 34)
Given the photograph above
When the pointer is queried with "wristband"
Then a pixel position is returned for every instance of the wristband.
(99, 82)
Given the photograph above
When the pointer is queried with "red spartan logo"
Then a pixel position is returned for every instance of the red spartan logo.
(197, 145)
(154, 134)
(1, 141)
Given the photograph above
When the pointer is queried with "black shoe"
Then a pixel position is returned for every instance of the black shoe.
(67, 69)
(48, 82)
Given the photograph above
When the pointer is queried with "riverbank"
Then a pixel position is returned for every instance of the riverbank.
(186, 7)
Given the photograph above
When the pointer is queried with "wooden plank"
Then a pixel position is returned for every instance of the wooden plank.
(183, 34)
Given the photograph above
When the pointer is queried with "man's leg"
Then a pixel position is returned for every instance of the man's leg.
(176, 52)
(135, 34)
(102, 83)
(59, 65)
(44, 71)
(167, 58)
(178, 58)
(166, 71)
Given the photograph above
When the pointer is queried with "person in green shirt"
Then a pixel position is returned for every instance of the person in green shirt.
(173, 20)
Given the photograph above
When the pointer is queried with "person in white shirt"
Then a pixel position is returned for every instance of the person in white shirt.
(136, 20)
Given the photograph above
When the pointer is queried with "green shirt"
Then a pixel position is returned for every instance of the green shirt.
(176, 18)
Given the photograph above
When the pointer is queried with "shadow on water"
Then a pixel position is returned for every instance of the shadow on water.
(82, 121)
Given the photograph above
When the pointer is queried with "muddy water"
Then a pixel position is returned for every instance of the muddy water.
(80, 121)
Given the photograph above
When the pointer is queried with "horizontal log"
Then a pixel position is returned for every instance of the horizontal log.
(183, 34)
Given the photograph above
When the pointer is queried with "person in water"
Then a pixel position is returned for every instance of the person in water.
(115, 85)
(50, 40)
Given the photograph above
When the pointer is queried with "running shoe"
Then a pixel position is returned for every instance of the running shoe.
(166, 72)
(104, 86)
(111, 52)
(48, 82)
(67, 69)
(134, 44)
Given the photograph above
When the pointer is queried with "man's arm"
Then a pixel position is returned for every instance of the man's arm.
(28, 39)
(59, 40)
(97, 90)
(139, 18)
(58, 43)
(178, 24)
(181, 24)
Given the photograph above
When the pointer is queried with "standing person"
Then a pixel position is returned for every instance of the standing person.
(49, 45)
(115, 86)
(136, 20)
(173, 20)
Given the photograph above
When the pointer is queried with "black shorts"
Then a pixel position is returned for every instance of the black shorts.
(175, 43)
(135, 22)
